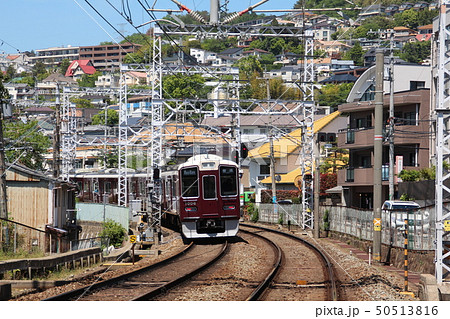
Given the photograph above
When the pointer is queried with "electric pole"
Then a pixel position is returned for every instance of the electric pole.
(378, 155)
(3, 196)
(391, 118)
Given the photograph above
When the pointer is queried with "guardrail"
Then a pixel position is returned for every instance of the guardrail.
(52, 261)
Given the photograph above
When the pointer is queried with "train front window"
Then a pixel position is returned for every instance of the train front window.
(228, 181)
(209, 187)
(189, 182)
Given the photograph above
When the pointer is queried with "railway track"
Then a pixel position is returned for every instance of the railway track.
(304, 274)
(148, 282)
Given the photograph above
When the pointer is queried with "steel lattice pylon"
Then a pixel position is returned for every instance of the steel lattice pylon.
(157, 119)
(69, 135)
(123, 143)
(307, 152)
(442, 267)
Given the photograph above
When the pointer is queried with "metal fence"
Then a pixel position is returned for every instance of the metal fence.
(280, 214)
(359, 223)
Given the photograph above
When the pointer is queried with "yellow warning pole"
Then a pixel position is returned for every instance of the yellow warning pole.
(406, 255)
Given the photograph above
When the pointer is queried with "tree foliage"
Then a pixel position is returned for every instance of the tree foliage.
(416, 52)
(184, 86)
(114, 231)
(88, 80)
(356, 54)
(334, 94)
(25, 135)
(112, 118)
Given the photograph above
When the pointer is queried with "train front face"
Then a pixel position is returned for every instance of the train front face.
(209, 205)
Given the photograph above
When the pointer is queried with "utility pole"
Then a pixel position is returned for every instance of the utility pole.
(3, 195)
(378, 155)
(391, 118)
(316, 232)
(272, 156)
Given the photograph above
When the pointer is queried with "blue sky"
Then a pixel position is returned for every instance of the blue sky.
(27, 25)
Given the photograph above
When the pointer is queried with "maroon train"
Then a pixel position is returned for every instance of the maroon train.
(202, 196)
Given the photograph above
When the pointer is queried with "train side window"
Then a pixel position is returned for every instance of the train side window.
(228, 181)
(189, 182)
(209, 187)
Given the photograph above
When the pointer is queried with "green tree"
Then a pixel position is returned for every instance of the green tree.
(114, 231)
(39, 70)
(82, 103)
(249, 66)
(356, 53)
(88, 80)
(334, 94)
(110, 156)
(20, 135)
(184, 86)
(416, 52)
(63, 66)
(112, 118)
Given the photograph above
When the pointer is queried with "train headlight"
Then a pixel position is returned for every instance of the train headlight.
(229, 207)
(191, 209)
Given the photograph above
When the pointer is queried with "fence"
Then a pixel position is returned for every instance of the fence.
(100, 213)
(17, 238)
(282, 215)
(359, 223)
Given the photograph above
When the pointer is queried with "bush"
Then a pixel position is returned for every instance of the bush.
(253, 212)
(114, 231)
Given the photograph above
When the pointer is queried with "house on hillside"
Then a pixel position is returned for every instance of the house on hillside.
(47, 88)
(78, 68)
(411, 125)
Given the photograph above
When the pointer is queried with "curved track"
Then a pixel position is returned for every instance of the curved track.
(305, 274)
(150, 281)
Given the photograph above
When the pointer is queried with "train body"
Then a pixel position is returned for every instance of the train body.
(202, 196)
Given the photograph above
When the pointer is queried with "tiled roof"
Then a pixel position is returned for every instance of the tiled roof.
(84, 65)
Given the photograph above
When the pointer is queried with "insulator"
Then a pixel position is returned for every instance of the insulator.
(197, 16)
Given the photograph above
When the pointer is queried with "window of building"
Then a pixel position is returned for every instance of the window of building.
(415, 85)
(369, 94)
(264, 169)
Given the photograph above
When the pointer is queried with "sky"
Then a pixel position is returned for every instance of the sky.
(27, 25)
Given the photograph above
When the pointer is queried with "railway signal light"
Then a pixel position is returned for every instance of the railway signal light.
(244, 150)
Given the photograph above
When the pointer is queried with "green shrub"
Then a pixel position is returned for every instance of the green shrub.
(253, 212)
(114, 231)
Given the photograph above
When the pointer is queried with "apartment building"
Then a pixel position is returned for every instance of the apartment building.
(107, 56)
(411, 131)
(55, 55)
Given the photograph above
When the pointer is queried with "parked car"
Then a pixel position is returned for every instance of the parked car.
(401, 210)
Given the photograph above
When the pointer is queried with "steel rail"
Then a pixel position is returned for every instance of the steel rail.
(164, 288)
(328, 264)
(275, 268)
(78, 292)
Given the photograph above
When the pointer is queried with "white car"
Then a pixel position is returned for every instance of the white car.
(399, 211)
